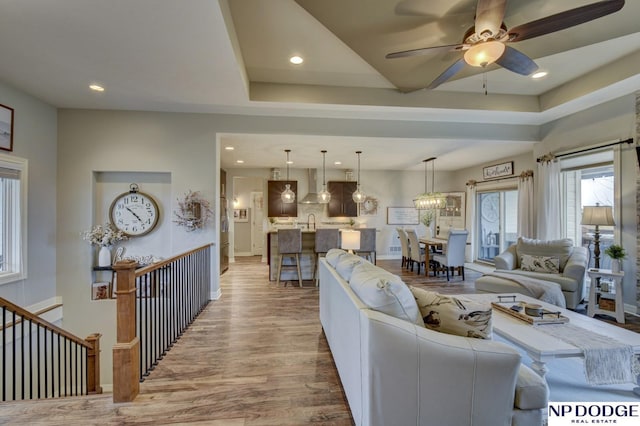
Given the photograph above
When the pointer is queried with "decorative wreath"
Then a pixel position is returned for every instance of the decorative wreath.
(193, 211)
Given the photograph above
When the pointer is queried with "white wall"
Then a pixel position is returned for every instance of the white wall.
(34, 138)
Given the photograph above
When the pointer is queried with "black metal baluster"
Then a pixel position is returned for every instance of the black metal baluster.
(139, 320)
(53, 385)
(30, 359)
(4, 353)
(59, 367)
(66, 365)
(13, 361)
(38, 358)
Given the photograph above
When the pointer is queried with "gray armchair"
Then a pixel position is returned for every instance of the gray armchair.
(573, 262)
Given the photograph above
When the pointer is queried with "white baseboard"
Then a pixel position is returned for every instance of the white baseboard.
(243, 254)
(215, 295)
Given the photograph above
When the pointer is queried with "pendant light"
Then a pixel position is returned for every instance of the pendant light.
(324, 196)
(429, 200)
(288, 196)
(358, 196)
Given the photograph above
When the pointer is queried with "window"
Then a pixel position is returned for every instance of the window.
(587, 180)
(497, 222)
(13, 172)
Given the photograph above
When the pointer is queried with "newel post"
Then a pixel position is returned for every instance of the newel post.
(93, 364)
(126, 351)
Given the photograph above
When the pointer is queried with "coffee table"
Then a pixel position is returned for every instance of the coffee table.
(542, 347)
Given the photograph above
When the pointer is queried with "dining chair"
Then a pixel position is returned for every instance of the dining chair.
(417, 253)
(453, 256)
(404, 247)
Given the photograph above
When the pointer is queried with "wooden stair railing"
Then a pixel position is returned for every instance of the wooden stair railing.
(42, 360)
(155, 305)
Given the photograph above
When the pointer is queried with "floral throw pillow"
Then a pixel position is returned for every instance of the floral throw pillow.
(454, 315)
(545, 264)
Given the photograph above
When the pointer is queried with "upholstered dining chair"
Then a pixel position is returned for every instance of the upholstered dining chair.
(404, 247)
(453, 257)
(417, 253)
(289, 245)
(368, 244)
(326, 239)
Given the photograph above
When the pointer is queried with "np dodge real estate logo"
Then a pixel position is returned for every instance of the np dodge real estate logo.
(594, 413)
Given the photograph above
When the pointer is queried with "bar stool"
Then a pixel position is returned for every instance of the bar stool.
(368, 244)
(290, 245)
(326, 239)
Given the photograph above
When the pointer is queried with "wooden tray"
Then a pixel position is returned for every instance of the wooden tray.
(548, 317)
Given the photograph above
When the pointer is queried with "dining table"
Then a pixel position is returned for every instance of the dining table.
(429, 244)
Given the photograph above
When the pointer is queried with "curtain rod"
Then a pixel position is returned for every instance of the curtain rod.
(629, 141)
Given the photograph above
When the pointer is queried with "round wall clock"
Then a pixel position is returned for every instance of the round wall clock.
(134, 213)
(489, 207)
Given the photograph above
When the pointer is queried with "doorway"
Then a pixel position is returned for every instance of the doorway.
(497, 222)
(257, 228)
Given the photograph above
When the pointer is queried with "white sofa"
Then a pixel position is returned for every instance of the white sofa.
(396, 372)
(572, 266)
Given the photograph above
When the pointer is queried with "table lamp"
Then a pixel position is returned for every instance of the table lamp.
(597, 216)
(350, 240)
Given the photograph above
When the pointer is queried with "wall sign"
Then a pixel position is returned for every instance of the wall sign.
(402, 216)
(498, 170)
(6, 128)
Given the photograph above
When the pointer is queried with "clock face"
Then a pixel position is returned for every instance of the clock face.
(134, 213)
(490, 208)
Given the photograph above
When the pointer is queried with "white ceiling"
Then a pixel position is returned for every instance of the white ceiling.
(230, 56)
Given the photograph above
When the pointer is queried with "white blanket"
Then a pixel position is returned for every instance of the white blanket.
(546, 291)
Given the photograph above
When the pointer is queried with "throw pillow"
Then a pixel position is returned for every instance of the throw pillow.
(384, 292)
(545, 264)
(334, 255)
(454, 315)
(346, 263)
(562, 249)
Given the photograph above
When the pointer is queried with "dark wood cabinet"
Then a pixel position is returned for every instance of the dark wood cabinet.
(341, 203)
(276, 208)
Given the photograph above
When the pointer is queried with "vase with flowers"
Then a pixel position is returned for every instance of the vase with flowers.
(104, 236)
(427, 220)
(616, 253)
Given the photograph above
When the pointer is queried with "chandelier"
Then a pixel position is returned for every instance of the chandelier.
(288, 196)
(429, 200)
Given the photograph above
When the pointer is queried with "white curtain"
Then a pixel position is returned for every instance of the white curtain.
(548, 198)
(471, 221)
(526, 213)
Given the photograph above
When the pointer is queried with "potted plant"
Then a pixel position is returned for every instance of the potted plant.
(427, 220)
(616, 253)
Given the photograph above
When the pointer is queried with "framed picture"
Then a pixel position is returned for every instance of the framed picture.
(241, 215)
(402, 216)
(6, 128)
(498, 170)
(100, 290)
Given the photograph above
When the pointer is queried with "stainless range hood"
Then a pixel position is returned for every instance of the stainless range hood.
(312, 195)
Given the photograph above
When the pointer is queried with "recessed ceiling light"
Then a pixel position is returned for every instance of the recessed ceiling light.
(337, 163)
(296, 60)
(539, 74)
(96, 87)
(289, 162)
(240, 161)
(229, 148)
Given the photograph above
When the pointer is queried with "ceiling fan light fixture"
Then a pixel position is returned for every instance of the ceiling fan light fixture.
(483, 54)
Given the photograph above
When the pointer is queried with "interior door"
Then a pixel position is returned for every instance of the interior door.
(257, 231)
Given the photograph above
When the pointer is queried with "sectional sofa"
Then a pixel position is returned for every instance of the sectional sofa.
(394, 371)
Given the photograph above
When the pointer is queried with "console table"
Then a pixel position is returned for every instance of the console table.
(615, 288)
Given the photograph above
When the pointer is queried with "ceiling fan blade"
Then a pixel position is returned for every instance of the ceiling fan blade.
(516, 61)
(423, 51)
(447, 74)
(489, 16)
(563, 20)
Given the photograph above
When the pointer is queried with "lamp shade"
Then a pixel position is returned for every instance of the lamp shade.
(350, 240)
(597, 215)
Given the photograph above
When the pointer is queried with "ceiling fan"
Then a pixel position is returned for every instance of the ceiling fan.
(486, 42)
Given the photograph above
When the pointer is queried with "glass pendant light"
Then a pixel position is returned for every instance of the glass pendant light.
(429, 200)
(358, 196)
(324, 196)
(288, 196)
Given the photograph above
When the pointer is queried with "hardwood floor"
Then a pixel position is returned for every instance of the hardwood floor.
(257, 356)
